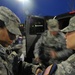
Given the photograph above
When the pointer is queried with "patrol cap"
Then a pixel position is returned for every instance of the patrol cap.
(10, 19)
(71, 26)
(53, 24)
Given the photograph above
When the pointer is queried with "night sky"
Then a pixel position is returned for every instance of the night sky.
(39, 7)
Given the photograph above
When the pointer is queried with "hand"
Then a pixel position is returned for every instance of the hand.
(36, 60)
(53, 54)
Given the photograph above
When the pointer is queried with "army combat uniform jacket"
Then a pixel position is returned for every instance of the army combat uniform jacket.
(8, 65)
(5, 65)
(66, 67)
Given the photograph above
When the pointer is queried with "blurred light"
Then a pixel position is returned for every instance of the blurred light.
(23, 1)
(27, 5)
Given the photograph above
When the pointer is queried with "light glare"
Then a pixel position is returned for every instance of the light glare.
(23, 1)
(27, 5)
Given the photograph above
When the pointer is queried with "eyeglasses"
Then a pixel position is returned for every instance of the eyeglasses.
(12, 36)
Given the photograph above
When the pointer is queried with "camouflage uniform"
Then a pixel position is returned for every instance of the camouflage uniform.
(8, 57)
(5, 66)
(67, 67)
(58, 42)
(11, 22)
(19, 46)
(7, 62)
(20, 53)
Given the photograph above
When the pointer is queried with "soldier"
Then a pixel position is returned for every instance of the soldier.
(66, 67)
(9, 30)
(53, 41)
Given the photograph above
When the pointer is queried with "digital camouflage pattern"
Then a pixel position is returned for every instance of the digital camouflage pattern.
(11, 21)
(66, 67)
(58, 42)
(71, 26)
(53, 24)
(5, 65)
(9, 58)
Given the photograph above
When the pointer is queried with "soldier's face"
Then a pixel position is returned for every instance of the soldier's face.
(6, 38)
(54, 33)
(70, 40)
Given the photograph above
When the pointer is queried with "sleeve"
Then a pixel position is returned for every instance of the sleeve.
(32, 66)
(3, 70)
(66, 67)
(64, 53)
(37, 47)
